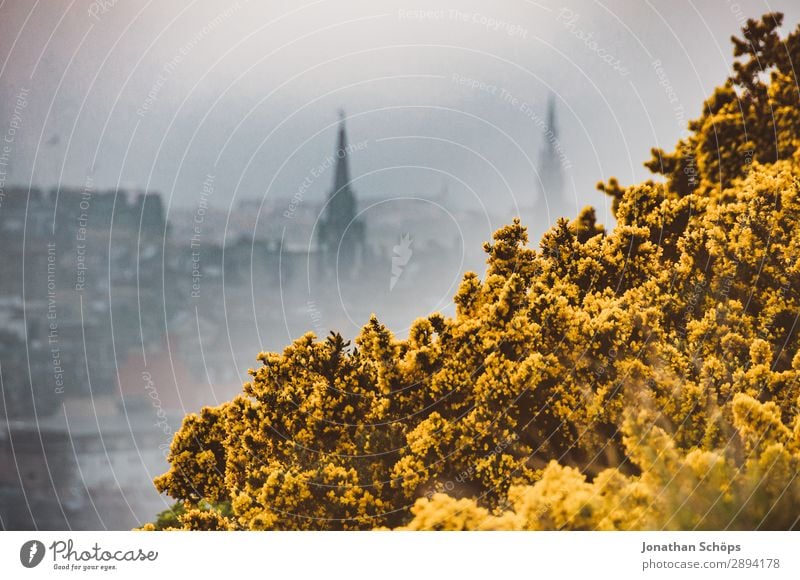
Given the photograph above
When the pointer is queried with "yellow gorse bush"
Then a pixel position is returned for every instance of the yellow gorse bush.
(642, 378)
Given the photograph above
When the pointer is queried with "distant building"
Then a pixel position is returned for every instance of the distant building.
(552, 192)
(342, 236)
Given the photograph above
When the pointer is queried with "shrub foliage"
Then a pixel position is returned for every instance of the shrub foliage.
(640, 378)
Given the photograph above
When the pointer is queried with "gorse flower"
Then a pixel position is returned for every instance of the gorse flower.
(644, 377)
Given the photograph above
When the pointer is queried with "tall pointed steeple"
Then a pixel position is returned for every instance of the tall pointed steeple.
(552, 193)
(341, 207)
(551, 115)
(342, 176)
(341, 234)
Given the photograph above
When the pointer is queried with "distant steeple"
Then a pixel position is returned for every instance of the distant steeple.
(550, 169)
(341, 199)
(551, 115)
(341, 234)
(342, 176)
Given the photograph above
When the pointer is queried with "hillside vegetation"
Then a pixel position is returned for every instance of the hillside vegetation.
(644, 377)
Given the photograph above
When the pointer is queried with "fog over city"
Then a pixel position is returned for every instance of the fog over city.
(154, 95)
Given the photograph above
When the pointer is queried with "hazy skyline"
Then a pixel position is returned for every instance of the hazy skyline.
(162, 95)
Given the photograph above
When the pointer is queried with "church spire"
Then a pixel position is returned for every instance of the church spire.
(550, 170)
(551, 116)
(342, 176)
(341, 233)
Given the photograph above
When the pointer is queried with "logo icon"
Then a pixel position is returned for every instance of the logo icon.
(402, 254)
(31, 553)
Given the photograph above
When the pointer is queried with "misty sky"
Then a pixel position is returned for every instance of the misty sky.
(158, 95)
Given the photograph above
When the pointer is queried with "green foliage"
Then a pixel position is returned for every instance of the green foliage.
(642, 378)
(201, 516)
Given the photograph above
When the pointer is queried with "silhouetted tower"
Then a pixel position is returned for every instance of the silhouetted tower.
(341, 235)
(553, 196)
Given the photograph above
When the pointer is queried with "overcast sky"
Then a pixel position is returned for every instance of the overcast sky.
(158, 95)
